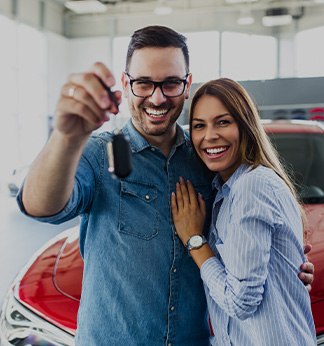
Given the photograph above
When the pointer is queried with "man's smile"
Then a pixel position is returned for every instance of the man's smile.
(156, 113)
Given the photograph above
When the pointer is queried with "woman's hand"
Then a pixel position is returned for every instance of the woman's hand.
(188, 211)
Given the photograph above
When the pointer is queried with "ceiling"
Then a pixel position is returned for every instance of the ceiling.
(224, 5)
(195, 15)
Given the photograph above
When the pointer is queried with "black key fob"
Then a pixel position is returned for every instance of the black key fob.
(119, 155)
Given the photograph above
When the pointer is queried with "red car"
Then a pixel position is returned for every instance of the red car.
(41, 306)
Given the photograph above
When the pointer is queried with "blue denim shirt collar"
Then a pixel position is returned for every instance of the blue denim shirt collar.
(139, 143)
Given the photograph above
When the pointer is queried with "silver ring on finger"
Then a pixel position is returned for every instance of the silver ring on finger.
(71, 91)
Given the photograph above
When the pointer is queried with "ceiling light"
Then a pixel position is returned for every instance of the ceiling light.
(245, 17)
(83, 7)
(163, 10)
(239, 1)
(276, 17)
(245, 20)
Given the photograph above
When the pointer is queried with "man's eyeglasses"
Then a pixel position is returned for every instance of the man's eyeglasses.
(145, 88)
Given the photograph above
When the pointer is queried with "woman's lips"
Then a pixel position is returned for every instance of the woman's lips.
(215, 152)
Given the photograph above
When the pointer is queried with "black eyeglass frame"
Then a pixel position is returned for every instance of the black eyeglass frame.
(157, 84)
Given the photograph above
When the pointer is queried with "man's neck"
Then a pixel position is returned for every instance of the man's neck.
(163, 142)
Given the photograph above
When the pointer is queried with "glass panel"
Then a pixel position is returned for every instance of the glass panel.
(310, 52)
(303, 155)
(246, 57)
(204, 58)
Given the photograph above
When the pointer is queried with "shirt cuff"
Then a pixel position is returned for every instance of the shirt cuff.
(62, 216)
(212, 268)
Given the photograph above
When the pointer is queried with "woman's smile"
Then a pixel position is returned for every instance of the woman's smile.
(215, 152)
(216, 136)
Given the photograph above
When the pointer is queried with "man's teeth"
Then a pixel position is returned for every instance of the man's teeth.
(215, 150)
(156, 113)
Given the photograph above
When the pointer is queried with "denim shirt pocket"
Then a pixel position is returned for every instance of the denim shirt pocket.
(138, 213)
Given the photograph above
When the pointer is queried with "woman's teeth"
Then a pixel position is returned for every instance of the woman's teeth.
(213, 151)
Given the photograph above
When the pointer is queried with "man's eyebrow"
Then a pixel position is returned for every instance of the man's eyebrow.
(145, 78)
(217, 117)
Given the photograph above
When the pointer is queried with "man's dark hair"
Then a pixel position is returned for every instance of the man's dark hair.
(157, 36)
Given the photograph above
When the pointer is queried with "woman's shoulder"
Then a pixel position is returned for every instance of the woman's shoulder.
(257, 178)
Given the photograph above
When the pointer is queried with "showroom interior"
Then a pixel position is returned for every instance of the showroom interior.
(43, 41)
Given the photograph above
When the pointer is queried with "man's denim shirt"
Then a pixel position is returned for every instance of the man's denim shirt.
(140, 286)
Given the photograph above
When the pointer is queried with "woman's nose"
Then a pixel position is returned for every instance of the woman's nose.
(211, 133)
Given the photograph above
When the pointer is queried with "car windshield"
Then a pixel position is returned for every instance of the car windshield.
(303, 156)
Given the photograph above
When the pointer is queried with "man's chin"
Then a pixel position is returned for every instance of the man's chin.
(156, 132)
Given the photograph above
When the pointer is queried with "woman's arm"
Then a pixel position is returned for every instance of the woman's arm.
(237, 283)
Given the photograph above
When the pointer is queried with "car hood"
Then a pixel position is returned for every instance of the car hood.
(51, 285)
(68, 269)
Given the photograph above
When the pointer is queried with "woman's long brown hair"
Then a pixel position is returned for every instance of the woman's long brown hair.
(255, 146)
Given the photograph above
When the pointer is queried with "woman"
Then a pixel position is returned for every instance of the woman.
(255, 248)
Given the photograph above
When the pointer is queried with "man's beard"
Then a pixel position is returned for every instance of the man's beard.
(140, 116)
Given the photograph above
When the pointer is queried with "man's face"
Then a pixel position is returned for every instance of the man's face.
(156, 115)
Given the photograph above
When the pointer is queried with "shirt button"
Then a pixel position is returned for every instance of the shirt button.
(175, 233)
(152, 149)
(147, 197)
(172, 308)
(175, 270)
(169, 344)
(225, 199)
(224, 338)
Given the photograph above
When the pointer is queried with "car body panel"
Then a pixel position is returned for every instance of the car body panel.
(38, 292)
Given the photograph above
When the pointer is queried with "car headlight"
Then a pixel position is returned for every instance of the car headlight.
(21, 327)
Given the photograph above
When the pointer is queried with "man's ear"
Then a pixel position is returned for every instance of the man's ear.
(124, 80)
(187, 92)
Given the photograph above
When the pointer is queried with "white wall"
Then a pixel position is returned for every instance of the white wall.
(58, 58)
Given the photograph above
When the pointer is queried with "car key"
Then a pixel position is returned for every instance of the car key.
(119, 155)
(119, 151)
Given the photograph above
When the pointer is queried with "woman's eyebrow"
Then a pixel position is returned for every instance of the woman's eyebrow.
(217, 117)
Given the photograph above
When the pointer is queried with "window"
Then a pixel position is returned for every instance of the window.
(246, 57)
(310, 52)
(204, 57)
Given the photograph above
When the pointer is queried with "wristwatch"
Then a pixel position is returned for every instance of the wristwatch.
(195, 242)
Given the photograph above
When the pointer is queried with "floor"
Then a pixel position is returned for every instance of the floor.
(20, 237)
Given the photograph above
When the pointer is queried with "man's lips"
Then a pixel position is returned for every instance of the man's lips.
(156, 114)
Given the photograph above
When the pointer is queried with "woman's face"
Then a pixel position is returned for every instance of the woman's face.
(215, 135)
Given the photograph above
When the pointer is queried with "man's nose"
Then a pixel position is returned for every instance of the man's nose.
(157, 97)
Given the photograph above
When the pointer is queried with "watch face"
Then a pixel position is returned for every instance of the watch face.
(196, 241)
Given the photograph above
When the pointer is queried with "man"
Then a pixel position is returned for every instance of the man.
(140, 287)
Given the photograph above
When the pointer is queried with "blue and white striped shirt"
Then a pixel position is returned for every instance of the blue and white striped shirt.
(253, 291)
